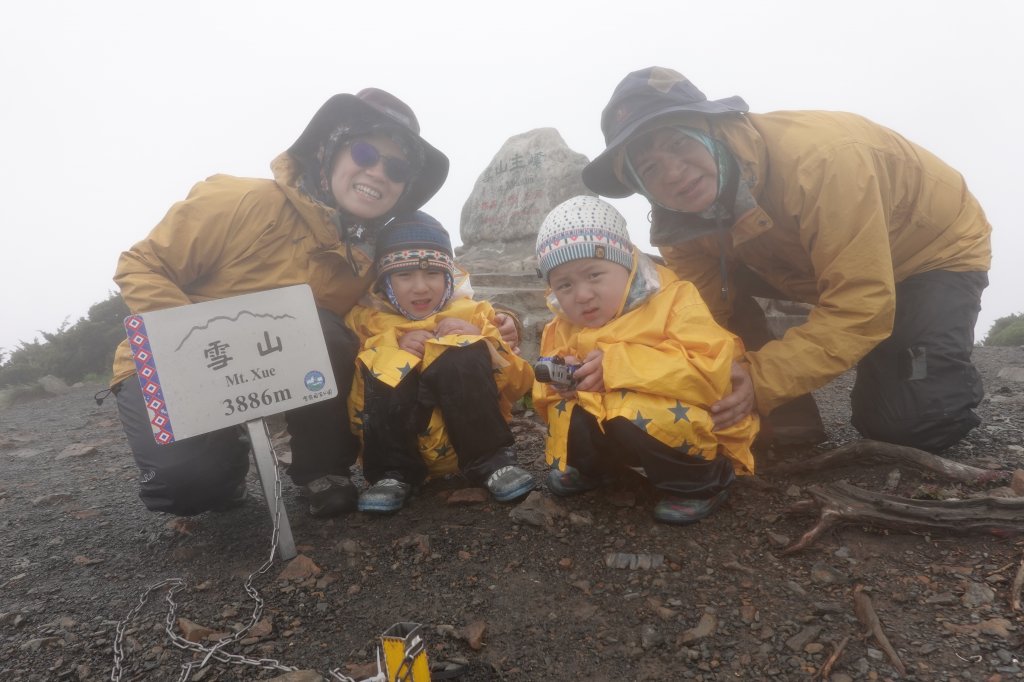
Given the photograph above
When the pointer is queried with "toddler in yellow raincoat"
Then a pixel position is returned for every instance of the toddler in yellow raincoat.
(651, 361)
(434, 380)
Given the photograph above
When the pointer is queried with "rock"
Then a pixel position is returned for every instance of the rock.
(537, 510)
(532, 173)
(633, 562)
(1017, 482)
(797, 642)
(474, 634)
(650, 637)
(300, 568)
(1011, 373)
(193, 632)
(826, 575)
(51, 499)
(976, 594)
(54, 385)
(466, 496)
(77, 450)
(304, 676)
(705, 628)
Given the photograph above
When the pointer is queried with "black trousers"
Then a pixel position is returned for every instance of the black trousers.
(919, 386)
(460, 383)
(916, 388)
(623, 444)
(196, 474)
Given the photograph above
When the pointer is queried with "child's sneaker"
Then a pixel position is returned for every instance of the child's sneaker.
(682, 512)
(570, 482)
(509, 483)
(330, 495)
(384, 497)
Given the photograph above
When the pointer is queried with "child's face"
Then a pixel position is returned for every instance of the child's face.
(418, 291)
(589, 290)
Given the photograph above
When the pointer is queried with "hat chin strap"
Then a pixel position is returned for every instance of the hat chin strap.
(725, 165)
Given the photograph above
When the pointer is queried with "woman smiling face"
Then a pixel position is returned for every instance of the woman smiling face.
(366, 192)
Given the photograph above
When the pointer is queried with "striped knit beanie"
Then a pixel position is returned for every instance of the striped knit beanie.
(583, 227)
(415, 240)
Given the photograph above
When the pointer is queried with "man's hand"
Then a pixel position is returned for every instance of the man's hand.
(737, 404)
(507, 327)
(415, 341)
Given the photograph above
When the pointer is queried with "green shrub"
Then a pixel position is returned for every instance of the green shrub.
(1006, 331)
(73, 351)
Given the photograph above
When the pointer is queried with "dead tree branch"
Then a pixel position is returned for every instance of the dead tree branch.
(842, 503)
(1018, 583)
(865, 611)
(859, 452)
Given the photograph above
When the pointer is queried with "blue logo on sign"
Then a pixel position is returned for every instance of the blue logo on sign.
(314, 380)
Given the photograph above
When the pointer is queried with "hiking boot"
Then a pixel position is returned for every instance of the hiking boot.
(570, 482)
(509, 483)
(237, 498)
(682, 512)
(385, 496)
(331, 495)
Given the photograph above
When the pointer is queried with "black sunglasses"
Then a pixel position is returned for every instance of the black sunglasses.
(367, 156)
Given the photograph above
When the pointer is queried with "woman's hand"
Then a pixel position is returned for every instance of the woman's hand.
(415, 341)
(738, 404)
(509, 333)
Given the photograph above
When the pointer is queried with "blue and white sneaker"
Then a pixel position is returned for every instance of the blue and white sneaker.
(570, 482)
(386, 496)
(509, 483)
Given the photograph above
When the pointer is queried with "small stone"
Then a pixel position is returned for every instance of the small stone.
(300, 568)
(801, 639)
(467, 496)
(474, 634)
(50, 500)
(77, 450)
(976, 594)
(193, 632)
(1017, 482)
(705, 628)
(777, 539)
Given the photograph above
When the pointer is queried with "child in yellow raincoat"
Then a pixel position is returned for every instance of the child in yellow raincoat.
(434, 380)
(651, 361)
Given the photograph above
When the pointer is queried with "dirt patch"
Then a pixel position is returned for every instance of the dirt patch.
(597, 591)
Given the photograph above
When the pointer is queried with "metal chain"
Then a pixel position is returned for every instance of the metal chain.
(177, 584)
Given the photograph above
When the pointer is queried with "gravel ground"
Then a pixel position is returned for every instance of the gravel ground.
(588, 588)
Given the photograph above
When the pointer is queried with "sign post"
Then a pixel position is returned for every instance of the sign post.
(231, 361)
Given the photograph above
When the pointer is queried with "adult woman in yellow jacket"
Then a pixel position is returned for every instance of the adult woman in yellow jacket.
(359, 161)
(879, 235)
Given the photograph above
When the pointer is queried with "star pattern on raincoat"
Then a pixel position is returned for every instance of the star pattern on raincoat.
(640, 422)
(560, 406)
(404, 371)
(442, 450)
(680, 412)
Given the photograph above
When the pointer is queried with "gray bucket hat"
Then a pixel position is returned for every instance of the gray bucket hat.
(366, 108)
(640, 97)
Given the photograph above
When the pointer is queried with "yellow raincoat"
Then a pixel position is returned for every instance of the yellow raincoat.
(234, 236)
(842, 209)
(379, 328)
(665, 362)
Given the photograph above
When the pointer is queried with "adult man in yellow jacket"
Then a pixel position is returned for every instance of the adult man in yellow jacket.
(831, 209)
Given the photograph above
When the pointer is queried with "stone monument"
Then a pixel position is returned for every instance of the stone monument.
(532, 173)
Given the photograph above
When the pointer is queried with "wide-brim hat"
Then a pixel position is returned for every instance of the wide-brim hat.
(640, 98)
(362, 111)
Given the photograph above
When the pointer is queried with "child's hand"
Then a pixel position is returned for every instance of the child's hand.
(589, 376)
(453, 325)
(414, 341)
